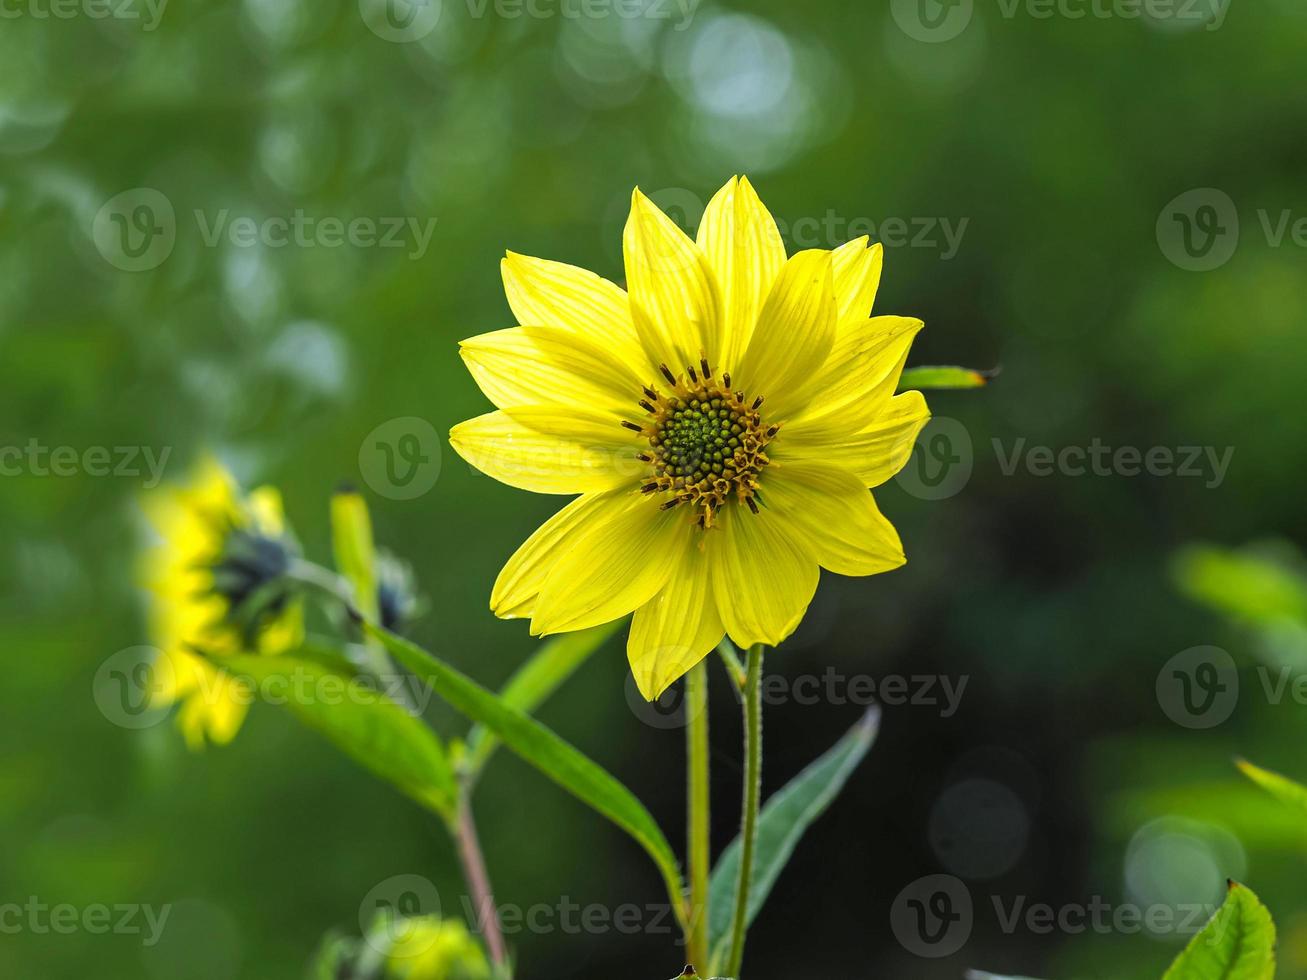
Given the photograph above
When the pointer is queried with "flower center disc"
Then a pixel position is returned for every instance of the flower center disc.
(706, 443)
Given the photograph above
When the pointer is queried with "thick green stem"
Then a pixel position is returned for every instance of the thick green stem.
(752, 790)
(696, 746)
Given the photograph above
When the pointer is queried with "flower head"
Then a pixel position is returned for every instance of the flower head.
(215, 581)
(721, 419)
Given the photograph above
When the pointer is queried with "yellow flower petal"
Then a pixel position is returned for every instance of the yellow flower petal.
(874, 454)
(526, 366)
(522, 578)
(763, 576)
(795, 332)
(613, 565)
(550, 450)
(743, 245)
(677, 628)
(857, 270)
(835, 514)
(553, 294)
(675, 300)
(861, 374)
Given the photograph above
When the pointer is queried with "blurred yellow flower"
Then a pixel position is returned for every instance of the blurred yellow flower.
(429, 948)
(212, 580)
(722, 420)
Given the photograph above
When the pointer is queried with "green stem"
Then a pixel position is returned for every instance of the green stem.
(731, 660)
(752, 790)
(696, 745)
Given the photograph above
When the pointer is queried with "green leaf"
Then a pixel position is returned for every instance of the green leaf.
(1252, 585)
(922, 378)
(781, 824)
(1238, 943)
(538, 745)
(351, 541)
(533, 683)
(1281, 787)
(350, 711)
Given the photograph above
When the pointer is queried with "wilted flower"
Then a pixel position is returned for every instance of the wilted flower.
(722, 420)
(215, 581)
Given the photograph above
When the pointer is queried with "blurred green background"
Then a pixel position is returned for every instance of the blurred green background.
(1057, 146)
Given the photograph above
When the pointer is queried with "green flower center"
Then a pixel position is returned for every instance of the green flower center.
(706, 443)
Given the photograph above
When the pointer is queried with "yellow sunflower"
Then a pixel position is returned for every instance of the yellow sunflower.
(213, 584)
(721, 419)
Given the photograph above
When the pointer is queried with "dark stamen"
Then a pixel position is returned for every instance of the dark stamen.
(632, 426)
(707, 371)
(667, 373)
(752, 506)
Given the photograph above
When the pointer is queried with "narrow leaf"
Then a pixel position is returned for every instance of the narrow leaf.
(538, 745)
(351, 541)
(921, 378)
(1281, 787)
(1238, 943)
(781, 824)
(361, 720)
(536, 680)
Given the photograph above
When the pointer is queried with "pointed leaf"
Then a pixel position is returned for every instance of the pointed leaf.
(349, 710)
(538, 745)
(781, 824)
(923, 378)
(532, 684)
(1281, 787)
(1238, 943)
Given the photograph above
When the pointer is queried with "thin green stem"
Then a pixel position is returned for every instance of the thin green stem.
(731, 660)
(752, 791)
(696, 747)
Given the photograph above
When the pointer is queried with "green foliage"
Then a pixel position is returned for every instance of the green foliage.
(532, 684)
(1247, 584)
(926, 377)
(350, 711)
(1281, 787)
(538, 745)
(1238, 943)
(781, 824)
